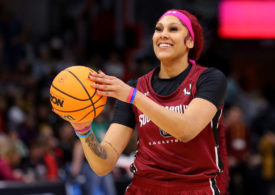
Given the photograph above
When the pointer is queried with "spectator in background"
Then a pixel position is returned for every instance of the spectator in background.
(238, 146)
(15, 113)
(263, 126)
(50, 157)
(22, 148)
(9, 160)
(34, 165)
(267, 150)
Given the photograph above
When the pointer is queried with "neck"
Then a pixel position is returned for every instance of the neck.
(172, 68)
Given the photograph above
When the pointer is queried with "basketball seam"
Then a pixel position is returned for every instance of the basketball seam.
(91, 112)
(98, 99)
(74, 110)
(68, 94)
(85, 91)
(77, 110)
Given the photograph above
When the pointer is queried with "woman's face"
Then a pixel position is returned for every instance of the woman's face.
(168, 39)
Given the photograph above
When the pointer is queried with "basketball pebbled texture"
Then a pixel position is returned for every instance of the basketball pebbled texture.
(73, 97)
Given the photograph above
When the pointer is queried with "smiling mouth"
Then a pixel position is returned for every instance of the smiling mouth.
(164, 45)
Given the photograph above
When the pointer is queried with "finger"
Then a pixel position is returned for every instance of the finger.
(101, 72)
(97, 74)
(100, 80)
(101, 75)
(103, 87)
(105, 93)
(94, 74)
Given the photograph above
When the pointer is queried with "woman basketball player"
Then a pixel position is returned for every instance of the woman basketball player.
(177, 109)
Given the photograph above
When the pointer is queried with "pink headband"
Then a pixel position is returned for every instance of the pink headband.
(183, 18)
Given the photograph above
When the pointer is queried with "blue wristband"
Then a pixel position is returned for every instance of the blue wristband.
(83, 136)
(133, 96)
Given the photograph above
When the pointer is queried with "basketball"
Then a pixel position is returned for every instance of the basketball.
(73, 97)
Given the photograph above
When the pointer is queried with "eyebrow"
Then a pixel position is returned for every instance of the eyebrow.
(170, 23)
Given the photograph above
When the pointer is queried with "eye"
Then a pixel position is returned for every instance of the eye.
(173, 29)
(157, 28)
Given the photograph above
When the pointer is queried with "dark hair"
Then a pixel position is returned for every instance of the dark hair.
(195, 52)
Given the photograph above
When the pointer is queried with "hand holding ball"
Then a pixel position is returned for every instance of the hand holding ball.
(72, 96)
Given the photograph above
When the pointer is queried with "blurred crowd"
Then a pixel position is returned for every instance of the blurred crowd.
(36, 145)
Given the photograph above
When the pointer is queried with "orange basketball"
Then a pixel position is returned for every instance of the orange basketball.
(73, 97)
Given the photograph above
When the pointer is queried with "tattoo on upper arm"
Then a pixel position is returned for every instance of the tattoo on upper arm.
(112, 147)
(96, 147)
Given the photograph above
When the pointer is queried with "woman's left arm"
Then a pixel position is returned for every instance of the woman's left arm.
(182, 126)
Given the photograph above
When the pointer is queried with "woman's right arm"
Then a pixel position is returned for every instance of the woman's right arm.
(103, 156)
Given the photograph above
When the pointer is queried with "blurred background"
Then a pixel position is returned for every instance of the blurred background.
(39, 152)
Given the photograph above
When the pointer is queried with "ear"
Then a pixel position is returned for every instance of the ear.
(190, 43)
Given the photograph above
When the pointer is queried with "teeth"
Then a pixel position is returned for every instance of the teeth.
(164, 45)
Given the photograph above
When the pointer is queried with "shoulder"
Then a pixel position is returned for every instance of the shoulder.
(213, 72)
(212, 86)
(212, 75)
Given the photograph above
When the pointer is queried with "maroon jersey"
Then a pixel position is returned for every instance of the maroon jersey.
(160, 156)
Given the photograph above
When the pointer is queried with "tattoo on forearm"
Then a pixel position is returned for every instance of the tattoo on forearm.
(112, 147)
(96, 147)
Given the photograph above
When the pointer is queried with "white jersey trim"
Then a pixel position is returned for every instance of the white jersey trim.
(217, 158)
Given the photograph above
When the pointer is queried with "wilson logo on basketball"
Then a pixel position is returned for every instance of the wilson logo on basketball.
(56, 101)
(68, 117)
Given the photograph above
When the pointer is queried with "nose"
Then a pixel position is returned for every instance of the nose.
(164, 34)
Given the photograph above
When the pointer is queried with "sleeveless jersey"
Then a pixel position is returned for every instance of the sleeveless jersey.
(159, 155)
